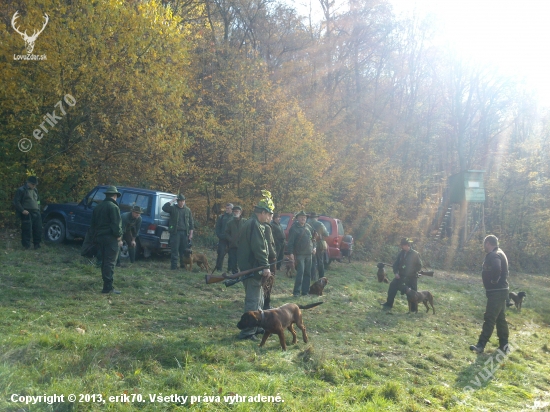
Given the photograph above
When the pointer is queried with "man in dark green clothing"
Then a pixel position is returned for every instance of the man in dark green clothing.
(253, 252)
(106, 230)
(223, 245)
(300, 248)
(180, 226)
(280, 238)
(232, 235)
(27, 204)
(406, 268)
(494, 276)
(318, 259)
(131, 224)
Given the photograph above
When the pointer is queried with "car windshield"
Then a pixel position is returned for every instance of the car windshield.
(340, 229)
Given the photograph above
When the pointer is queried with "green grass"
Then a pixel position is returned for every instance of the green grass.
(170, 333)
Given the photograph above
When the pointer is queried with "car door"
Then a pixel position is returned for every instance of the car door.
(81, 218)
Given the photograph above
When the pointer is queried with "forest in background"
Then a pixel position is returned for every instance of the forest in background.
(359, 115)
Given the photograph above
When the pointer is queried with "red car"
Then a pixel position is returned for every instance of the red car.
(339, 245)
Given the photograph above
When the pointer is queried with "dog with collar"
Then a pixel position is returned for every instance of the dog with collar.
(275, 321)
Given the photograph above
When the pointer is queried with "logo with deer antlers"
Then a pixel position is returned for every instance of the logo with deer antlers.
(29, 40)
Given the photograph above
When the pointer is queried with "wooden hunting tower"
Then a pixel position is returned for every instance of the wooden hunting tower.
(467, 186)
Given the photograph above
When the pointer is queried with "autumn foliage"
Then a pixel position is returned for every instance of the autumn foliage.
(357, 115)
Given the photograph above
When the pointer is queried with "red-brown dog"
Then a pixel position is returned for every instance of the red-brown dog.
(276, 321)
(199, 259)
(317, 287)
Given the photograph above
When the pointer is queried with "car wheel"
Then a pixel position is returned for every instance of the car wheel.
(328, 263)
(54, 231)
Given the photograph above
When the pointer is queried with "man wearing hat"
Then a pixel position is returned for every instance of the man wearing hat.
(180, 226)
(280, 238)
(131, 224)
(232, 235)
(27, 204)
(221, 224)
(300, 248)
(252, 253)
(406, 268)
(318, 260)
(106, 230)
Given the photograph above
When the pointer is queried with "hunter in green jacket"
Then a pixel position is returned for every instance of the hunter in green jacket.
(180, 226)
(253, 252)
(106, 231)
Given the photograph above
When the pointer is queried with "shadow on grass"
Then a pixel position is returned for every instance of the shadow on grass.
(479, 374)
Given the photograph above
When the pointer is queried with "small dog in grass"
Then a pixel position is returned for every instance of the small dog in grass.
(381, 274)
(290, 271)
(199, 259)
(317, 287)
(518, 298)
(415, 298)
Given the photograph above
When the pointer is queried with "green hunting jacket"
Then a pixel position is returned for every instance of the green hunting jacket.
(252, 250)
(272, 252)
(106, 220)
(221, 224)
(26, 199)
(300, 240)
(129, 224)
(181, 216)
(278, 234)
(320, 228)
(407, 264)
(232, 231)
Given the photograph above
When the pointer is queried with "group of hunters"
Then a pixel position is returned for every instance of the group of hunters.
(257, 242)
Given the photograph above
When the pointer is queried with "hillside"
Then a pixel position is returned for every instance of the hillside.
(169, 334)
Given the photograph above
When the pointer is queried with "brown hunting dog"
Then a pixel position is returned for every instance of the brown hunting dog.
(381, 274)
(517, 298)
(199, 259)
(317, 287)
(276, 321)
(289, 267)
(415, 298)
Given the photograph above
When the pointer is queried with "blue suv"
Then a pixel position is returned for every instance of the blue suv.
(72, 220)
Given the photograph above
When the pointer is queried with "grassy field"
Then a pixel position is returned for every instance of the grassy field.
(169, 333)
